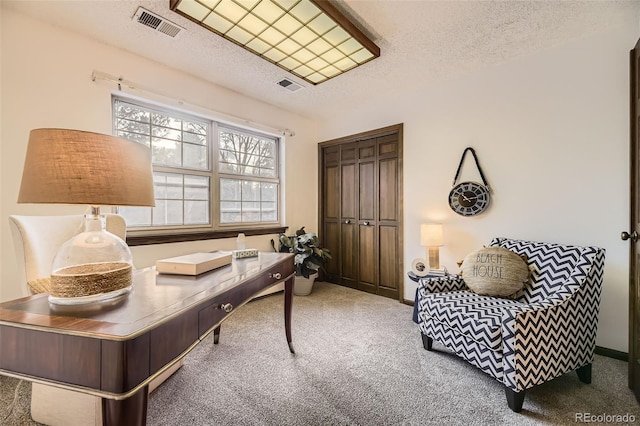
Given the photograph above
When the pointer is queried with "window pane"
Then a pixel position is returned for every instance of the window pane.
(230, 190)
(268, 148)
(136, 216)
(163, 132)
(168, 186)
(250, 212)
(196, 188)
(133, 126)
(269, 192)
(166, 121)
(194, 138)
(159, 213)
(246, 154)
(250, 191)
(259, 201)
(195, 127)
(268, 172)
(269, 212)
(230, 212)
(166, 152)
(168, 212)
(196, 212)
(143, 139)
(227, 156)
(131, 112)
(195, 156)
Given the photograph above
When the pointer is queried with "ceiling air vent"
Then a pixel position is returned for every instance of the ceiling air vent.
(156, 22)
(289, 85)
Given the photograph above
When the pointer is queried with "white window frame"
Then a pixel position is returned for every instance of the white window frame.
(213, 173)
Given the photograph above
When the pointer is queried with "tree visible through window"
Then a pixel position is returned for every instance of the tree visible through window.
(188, 155)
(247, 200)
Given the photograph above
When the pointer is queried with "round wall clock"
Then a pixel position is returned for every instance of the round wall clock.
(469, 198)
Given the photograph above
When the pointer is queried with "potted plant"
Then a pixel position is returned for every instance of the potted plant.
(309, 258)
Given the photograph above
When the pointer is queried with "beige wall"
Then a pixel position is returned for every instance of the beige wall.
(552, 134)
(46, 83)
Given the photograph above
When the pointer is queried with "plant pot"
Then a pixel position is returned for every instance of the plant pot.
(303, 286)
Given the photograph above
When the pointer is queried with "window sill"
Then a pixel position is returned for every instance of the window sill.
(143, 240)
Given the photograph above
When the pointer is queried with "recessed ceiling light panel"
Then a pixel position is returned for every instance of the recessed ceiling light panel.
(309, 38)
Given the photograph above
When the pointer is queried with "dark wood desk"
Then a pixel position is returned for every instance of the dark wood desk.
(114, 349)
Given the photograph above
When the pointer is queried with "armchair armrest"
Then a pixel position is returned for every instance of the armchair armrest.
(445, 283)
(549, 338)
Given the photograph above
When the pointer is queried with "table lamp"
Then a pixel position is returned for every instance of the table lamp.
(431, 236)
(76, 167)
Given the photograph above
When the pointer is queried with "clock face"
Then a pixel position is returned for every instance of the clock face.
(469, 198)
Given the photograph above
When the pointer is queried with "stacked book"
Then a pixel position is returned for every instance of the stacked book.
(193, 264)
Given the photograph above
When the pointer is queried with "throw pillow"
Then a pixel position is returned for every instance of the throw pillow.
(494, 271)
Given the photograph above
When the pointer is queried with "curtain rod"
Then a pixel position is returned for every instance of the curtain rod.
(122, 83)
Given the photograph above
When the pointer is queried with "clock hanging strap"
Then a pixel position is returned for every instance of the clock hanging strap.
(475, 157)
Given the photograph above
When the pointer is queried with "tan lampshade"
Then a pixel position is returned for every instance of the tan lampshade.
(431, 235)
(75, 167)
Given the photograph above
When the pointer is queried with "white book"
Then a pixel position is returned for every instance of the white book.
(193, 264)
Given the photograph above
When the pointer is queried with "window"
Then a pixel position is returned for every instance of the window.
(207, 175)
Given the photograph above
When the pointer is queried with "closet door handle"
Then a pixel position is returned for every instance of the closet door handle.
(347, 221)
(366, 223)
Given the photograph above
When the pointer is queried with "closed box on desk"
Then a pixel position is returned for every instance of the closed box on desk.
(193, 264)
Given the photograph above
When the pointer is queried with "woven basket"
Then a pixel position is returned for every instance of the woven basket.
(90, 279)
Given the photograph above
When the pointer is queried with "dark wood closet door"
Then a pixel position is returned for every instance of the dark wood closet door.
(367, 219)
(348, 215)
(330, 232)
(365, 239)
(390, 250)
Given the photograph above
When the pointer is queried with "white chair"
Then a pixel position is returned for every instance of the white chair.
(36, 240)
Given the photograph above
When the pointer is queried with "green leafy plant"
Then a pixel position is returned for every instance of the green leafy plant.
(309, 256)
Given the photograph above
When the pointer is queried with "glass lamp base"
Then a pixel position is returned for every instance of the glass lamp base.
(93, 266)
(81, 300)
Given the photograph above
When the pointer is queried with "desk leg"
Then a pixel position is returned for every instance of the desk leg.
(288, 301)
(216, 335)
(126, 412)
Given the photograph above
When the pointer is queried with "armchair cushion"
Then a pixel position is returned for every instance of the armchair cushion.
(477, 317)
(495, 271)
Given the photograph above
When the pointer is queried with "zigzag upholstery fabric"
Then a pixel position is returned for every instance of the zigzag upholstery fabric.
(548, 330)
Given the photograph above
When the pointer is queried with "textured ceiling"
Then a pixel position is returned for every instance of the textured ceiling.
(421, 42)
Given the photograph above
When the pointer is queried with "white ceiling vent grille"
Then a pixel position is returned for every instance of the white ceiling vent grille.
(289, 85)
(156, 22)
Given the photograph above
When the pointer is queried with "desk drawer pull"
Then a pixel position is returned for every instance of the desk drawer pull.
(276, 275)
(227, 307)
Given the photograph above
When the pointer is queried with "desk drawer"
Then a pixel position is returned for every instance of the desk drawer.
(226, 303)
(216, 312)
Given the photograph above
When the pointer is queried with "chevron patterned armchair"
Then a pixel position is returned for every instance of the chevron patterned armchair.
(547, 330)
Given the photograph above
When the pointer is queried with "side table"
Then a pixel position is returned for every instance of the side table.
(416, 278)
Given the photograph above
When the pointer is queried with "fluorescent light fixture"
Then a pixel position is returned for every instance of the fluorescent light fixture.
(309, 38)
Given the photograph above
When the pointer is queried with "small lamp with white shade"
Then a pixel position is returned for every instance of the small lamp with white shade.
(431, 236)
